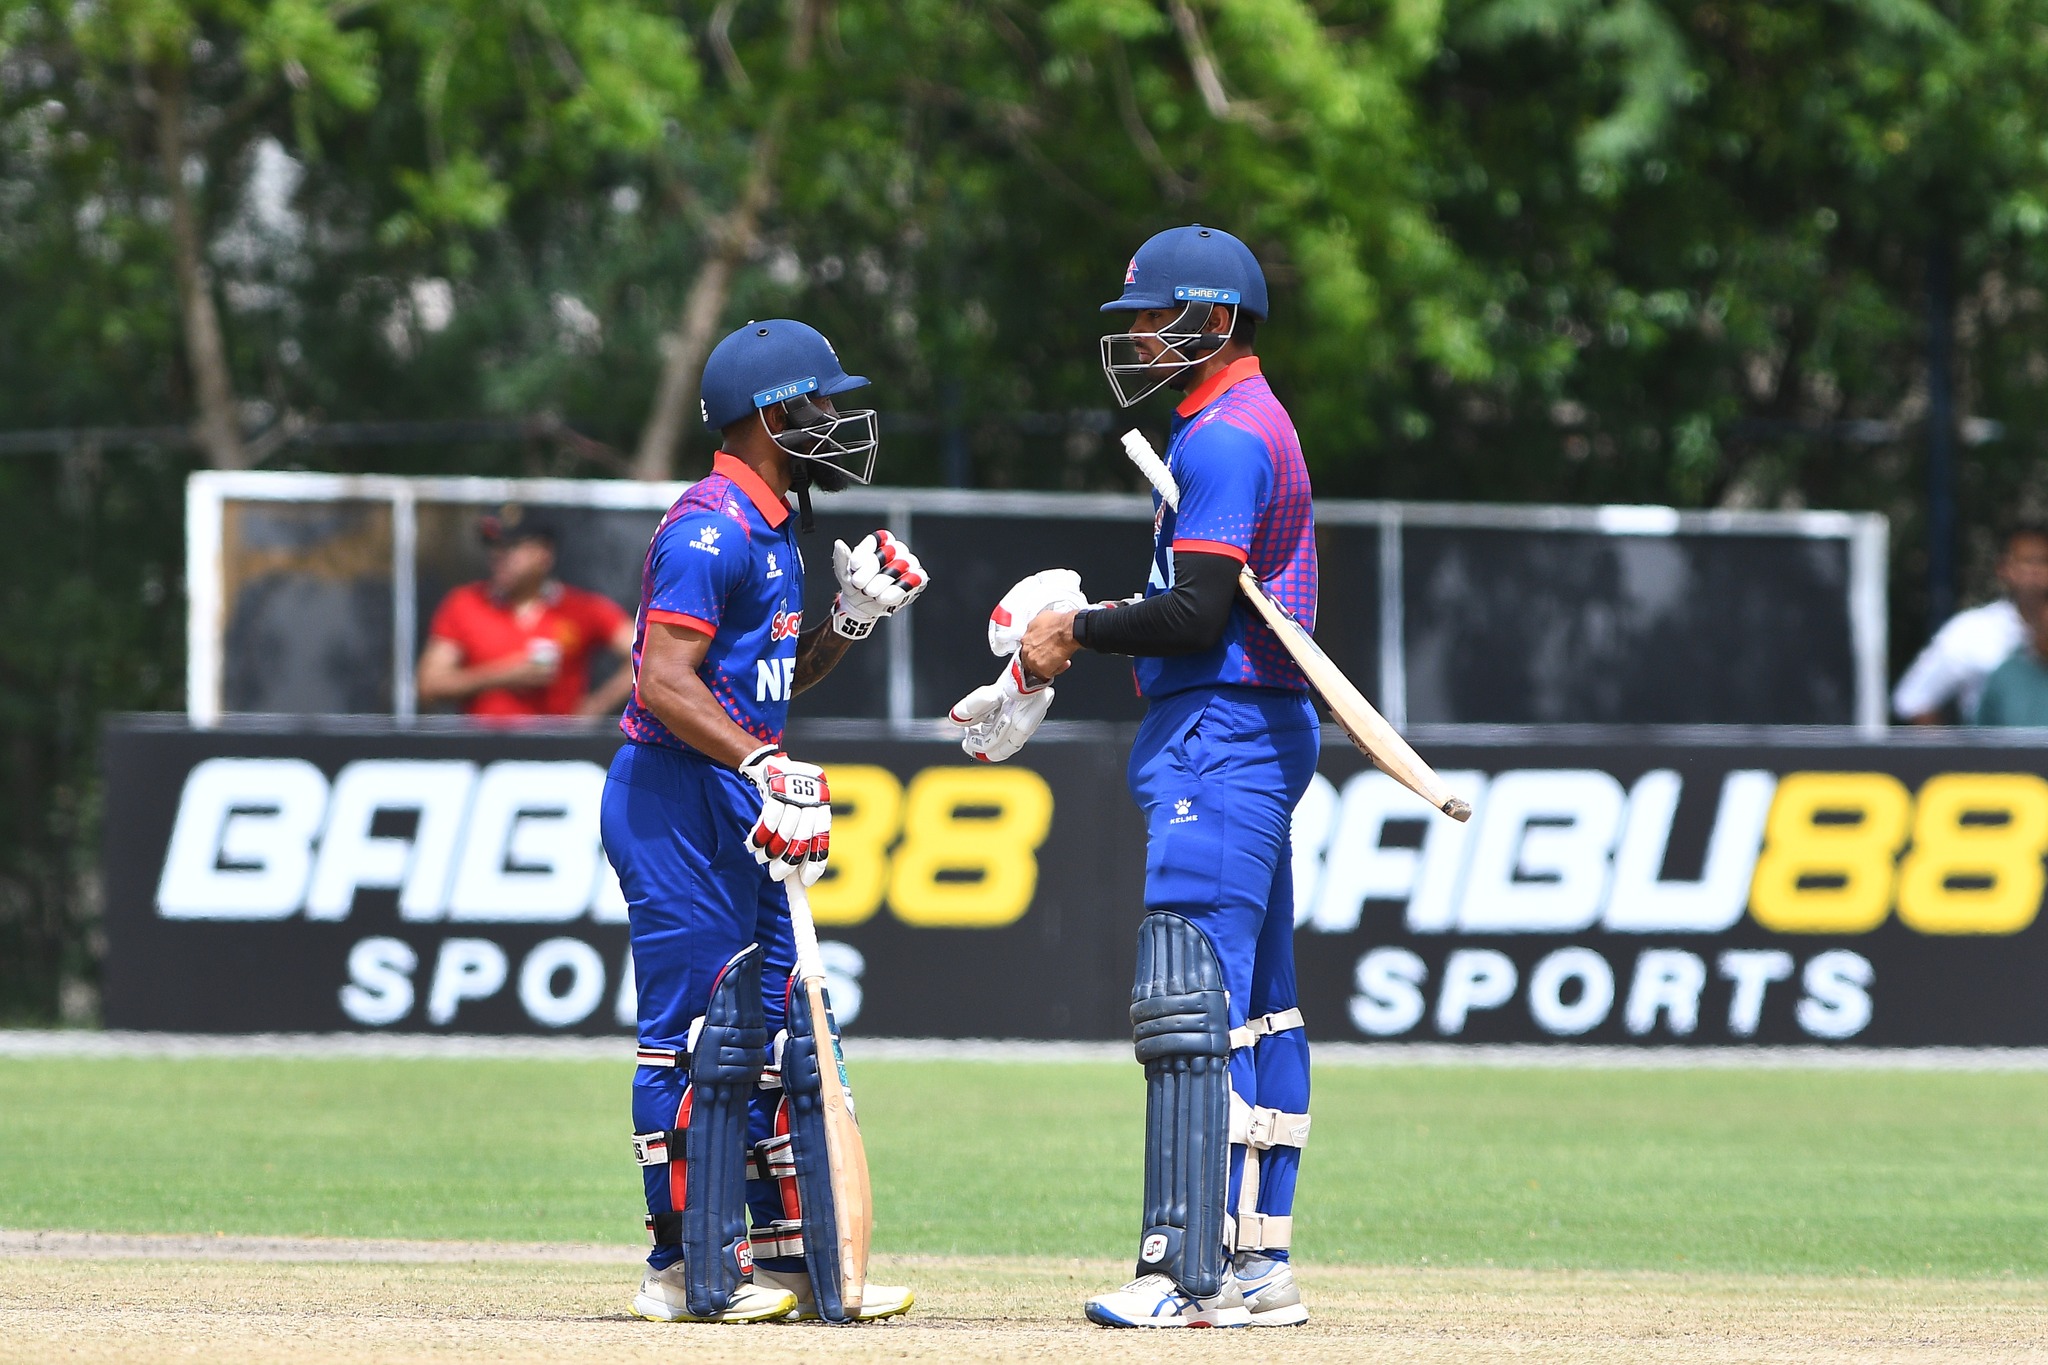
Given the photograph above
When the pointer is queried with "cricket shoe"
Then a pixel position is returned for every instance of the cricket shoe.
(1269, 1290)
(662, 1299)
(1156, 1301)
(877, 1300)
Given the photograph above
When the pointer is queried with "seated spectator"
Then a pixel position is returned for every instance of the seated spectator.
(520, 643)
(2016, 693)
(1962, 654)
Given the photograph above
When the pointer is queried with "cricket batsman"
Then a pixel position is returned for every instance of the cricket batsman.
(705, 816)
(1227, 747)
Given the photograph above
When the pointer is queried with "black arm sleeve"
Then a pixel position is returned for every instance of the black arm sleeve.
(1186, 620)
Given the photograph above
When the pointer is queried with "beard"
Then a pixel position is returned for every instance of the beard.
(826, 478)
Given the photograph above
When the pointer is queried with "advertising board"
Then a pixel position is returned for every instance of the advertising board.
(1748, 887)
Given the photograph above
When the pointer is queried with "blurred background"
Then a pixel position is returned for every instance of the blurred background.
(1740, 256)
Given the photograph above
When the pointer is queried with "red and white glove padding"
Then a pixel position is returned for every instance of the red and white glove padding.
(877, 578)
(998, 718)
(794, 831)
(1046, 590)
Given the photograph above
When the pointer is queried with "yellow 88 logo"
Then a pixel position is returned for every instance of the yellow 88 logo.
(867, 812)
(968, 859)
(1975, 866)
(1829, 843)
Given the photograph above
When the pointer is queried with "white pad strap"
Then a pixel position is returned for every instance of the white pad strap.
(1260, 1129)
(651, 1149)
(673, 1056)
(783, 1237)
(1254, 1029)
(1263, 1232)
(771, 1074)
(772, 1160)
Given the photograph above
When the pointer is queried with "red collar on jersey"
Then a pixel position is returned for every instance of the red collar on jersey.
(773, 509)
(1216, 384)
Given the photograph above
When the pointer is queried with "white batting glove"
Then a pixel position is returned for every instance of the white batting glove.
(1046, 590)
(998, 718)
(793, 834)
(877, 578)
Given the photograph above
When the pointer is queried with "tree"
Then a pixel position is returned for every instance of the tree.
(730, 235)
(195, 83)
(1709, 225)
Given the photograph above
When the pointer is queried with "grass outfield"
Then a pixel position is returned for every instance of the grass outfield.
(1897, 1174)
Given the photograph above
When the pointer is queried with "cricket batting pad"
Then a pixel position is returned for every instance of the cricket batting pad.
(803, 1093)
(1180, 1023)
(726, 1056)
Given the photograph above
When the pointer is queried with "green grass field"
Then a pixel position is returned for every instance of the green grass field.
(1815, 1172)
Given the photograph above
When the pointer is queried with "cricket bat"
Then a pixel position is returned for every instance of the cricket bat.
(1367, 728)
(846, 1154)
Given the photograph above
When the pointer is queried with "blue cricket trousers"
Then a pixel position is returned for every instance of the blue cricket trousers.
(675, 827)
(1218, 772)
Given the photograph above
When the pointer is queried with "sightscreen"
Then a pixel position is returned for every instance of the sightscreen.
(313, 594)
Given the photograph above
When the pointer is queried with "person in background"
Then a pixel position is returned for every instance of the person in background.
(520, 643)
(2016, 693)
(1961, 656)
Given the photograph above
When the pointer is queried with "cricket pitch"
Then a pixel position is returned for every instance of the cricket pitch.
(91, 1297)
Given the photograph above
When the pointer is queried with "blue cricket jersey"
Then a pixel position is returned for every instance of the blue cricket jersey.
(724, 561)
(1244, 492)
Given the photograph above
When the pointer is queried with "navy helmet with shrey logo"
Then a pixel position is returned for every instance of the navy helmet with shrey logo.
(1188, 270)
(788, 364)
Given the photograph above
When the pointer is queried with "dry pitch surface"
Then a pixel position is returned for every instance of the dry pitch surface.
(84, 1297)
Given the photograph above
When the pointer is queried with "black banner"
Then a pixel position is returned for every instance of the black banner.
(1615, 890)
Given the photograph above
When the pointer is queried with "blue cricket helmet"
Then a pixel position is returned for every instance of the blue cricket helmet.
(770, 362)
(1192, 264)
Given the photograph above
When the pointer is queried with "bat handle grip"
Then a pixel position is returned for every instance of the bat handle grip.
(810, 964)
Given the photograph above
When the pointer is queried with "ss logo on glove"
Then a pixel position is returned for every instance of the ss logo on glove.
(797, 787)
(793, 833)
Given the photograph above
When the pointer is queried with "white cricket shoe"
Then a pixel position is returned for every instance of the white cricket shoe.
(662, 1299)
(1156, 1301)
(877, 1300)
(1269, 1290)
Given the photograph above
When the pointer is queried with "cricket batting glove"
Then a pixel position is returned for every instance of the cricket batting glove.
(999, 717)
(1046, 590)
(878, 577)
(793, 834)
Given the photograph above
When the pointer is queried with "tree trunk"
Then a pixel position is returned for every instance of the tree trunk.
(685, 349)
(216, 427)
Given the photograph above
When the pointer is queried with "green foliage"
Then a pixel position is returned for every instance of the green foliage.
(91, 555)
(528, 99)
(1810, 1172)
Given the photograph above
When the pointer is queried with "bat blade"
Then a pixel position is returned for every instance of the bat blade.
(846, 1153)
(1360, 720)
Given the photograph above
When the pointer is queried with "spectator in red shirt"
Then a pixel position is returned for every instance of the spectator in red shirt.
(521, 642)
